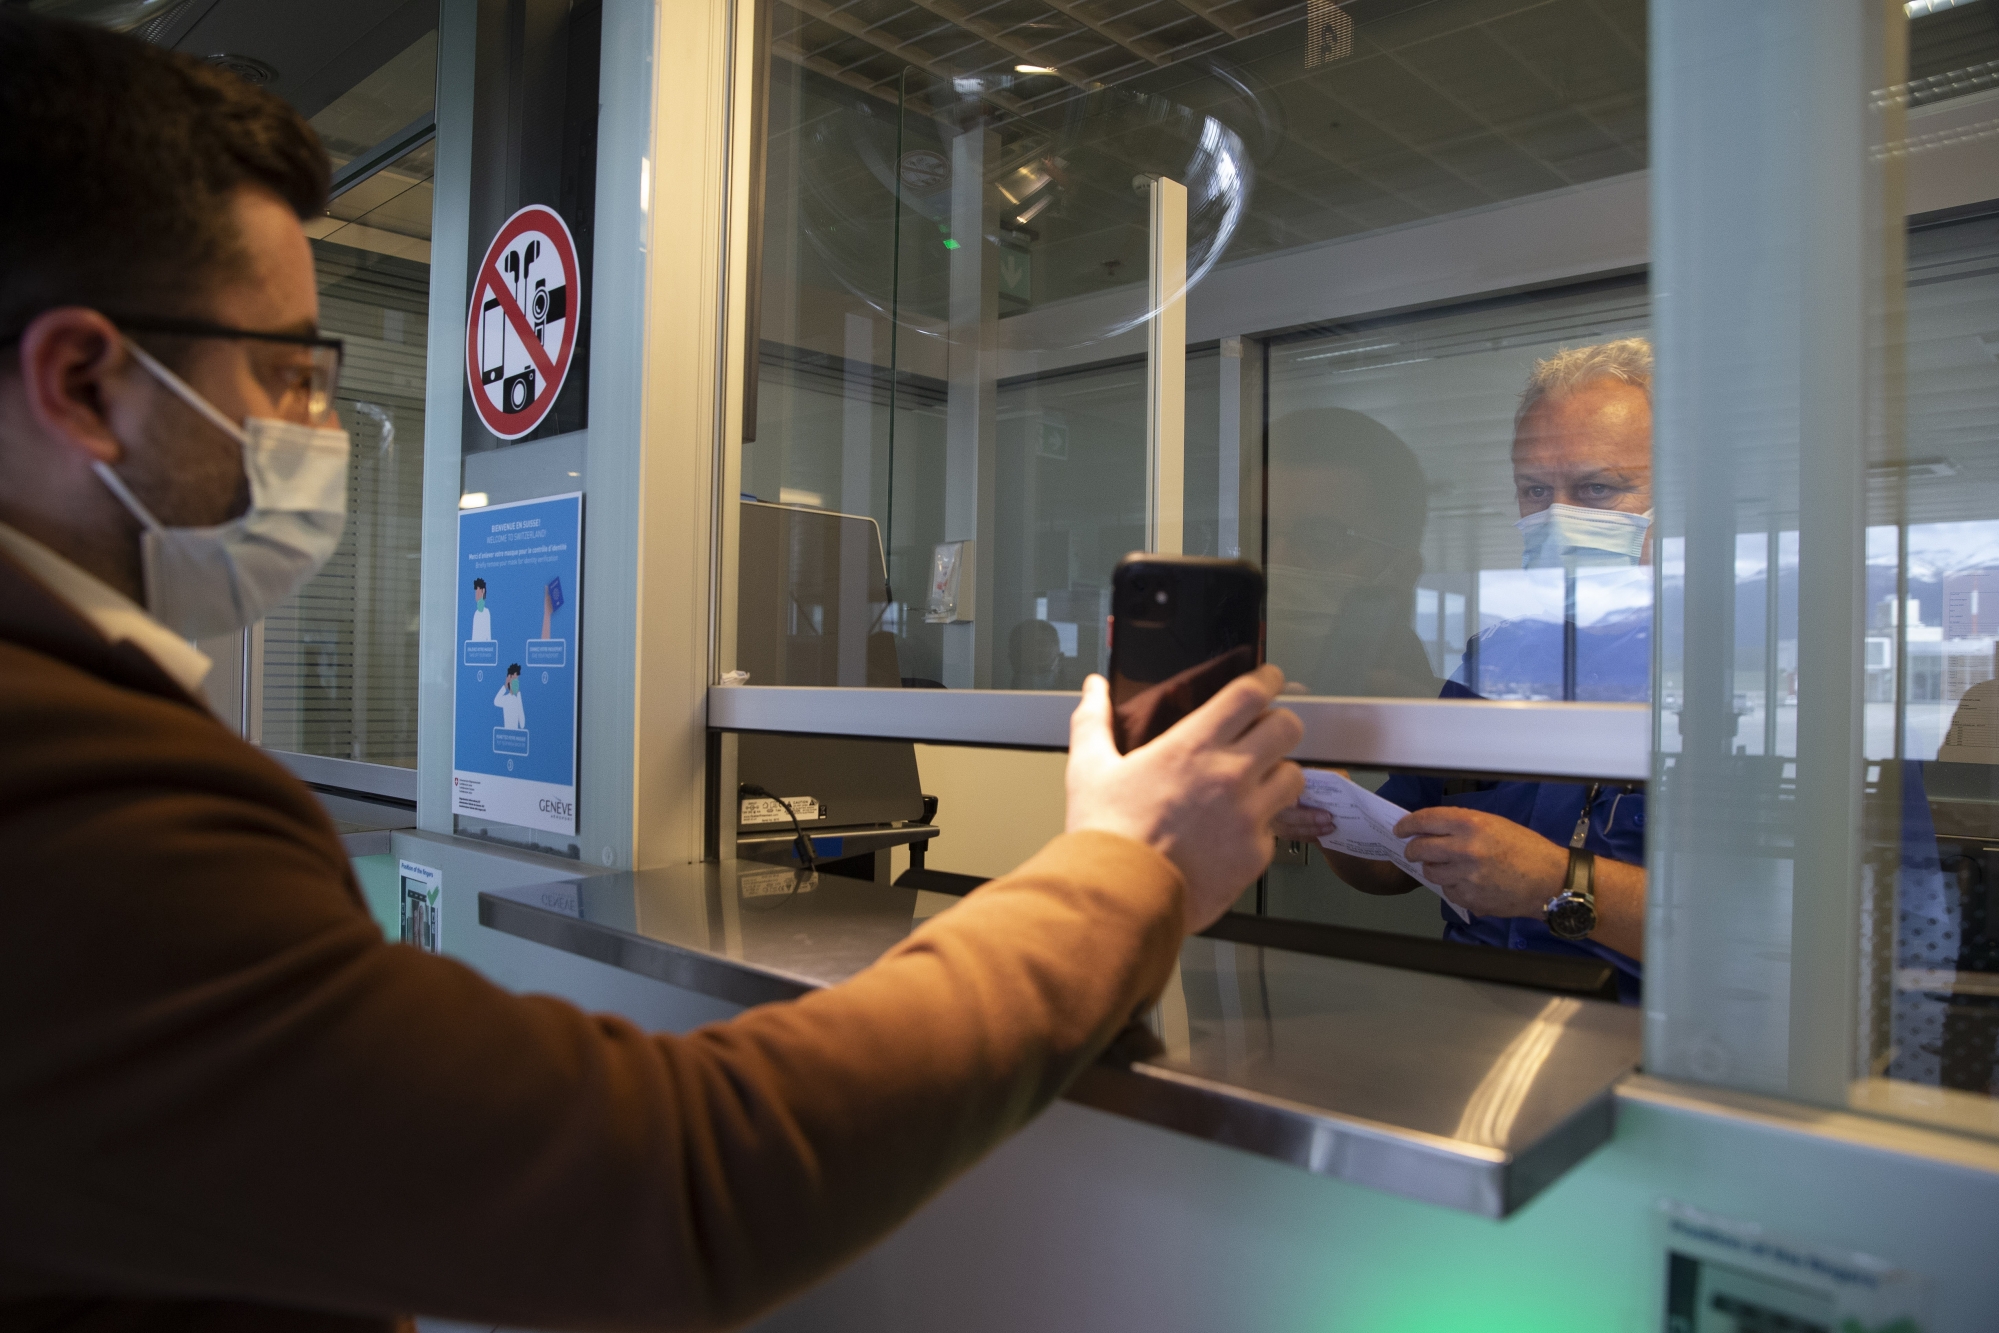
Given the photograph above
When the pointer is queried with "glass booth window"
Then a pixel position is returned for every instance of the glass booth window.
(1037, 293)
(1459, 506)
(1459, 501)
(968, 226)
(1931, 944)
(1826, 806)
(334, 667)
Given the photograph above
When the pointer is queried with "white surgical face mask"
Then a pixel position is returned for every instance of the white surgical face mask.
(1565, 536)
(205, 581)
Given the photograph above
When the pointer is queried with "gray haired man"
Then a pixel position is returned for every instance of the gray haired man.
(1520, 856)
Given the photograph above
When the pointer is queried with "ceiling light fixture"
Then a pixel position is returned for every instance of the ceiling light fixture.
(1916, 9)
(1034, 69)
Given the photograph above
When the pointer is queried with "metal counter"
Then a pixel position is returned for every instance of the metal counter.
(1469, 1094)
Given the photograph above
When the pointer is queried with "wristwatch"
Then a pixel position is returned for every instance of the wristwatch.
(1571, 913)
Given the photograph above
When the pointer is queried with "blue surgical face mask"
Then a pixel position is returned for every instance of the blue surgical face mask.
(1566, 536)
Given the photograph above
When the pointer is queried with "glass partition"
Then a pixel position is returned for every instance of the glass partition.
(1425, 326)
(1829, 501)
(1930, 945)
(334, 668)
(1413, 464)
(1037, 293)
(379, 114)
(973, 232)
(1408, 548)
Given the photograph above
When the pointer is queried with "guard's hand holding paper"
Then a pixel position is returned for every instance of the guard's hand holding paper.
(1484, 861)
(1367, 826)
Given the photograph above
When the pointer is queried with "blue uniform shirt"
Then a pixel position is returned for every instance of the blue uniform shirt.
(1616, 831)
(1523, 659)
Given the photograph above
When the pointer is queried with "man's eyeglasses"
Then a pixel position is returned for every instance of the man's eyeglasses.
(300, 371)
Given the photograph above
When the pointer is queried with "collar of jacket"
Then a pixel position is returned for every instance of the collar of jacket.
(35, 618)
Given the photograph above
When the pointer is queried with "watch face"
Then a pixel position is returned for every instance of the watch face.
(1571, 916)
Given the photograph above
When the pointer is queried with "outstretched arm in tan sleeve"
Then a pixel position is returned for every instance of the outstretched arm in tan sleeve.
(223, 1083)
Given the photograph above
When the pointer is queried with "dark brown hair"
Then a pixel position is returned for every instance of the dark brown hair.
(117, 164)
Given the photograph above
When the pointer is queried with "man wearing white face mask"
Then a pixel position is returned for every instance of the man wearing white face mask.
(217, 578)
(210, 1050)
(1551, 867)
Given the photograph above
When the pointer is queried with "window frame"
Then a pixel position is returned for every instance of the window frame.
(1514, 738)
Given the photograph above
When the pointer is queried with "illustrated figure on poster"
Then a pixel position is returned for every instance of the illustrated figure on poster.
(513, 714)
(482, 619)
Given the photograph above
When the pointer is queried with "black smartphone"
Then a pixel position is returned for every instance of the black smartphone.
(1182, 626)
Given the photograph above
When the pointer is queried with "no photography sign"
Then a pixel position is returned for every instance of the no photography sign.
(520, 332)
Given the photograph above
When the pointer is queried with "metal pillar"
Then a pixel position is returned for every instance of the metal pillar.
(971, 415)
(1166, 371)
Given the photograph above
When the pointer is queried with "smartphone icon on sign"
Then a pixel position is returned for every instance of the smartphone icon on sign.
(1182, 627)
(492, 342)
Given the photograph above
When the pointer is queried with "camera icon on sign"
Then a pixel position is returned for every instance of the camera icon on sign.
(517, 391)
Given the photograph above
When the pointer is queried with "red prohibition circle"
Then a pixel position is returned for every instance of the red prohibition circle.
(513, 378)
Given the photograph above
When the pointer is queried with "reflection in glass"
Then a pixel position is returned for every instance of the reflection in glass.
(1345, 550)
(1826, 799)
(1930, 948)
(388, 213)
(1349, 506)
(955, 265)
(1446, 387)
(339, 659)
(392, 98)
(954, 279)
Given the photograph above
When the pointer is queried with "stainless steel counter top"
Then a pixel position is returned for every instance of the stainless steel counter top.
(1469, 1094)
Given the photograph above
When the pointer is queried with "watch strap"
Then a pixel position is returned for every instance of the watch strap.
(1581, 879)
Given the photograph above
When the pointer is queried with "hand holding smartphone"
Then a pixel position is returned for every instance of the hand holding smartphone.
(1181, 628)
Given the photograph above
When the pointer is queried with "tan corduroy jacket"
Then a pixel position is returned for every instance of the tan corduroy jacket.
(226, 1102)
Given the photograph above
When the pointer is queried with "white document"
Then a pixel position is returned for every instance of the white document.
(1363, 825)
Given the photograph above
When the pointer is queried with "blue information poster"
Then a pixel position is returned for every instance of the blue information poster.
(513, 738)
